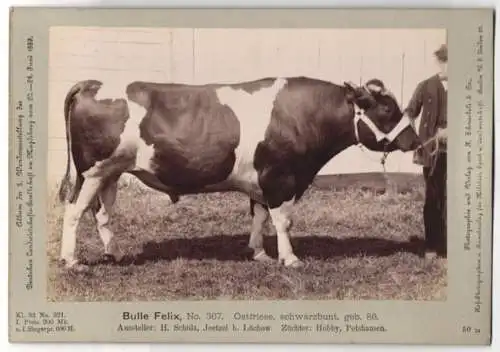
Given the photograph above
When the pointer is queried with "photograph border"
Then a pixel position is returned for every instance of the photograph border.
(450, 322)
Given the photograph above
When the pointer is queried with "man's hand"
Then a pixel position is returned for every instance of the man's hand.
(442, 135)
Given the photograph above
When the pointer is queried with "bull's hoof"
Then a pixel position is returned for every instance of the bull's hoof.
(430, 256)
(263, 257)
(108, 258)
(80, 268)
(293, 262)
(73, 266)
(113, 253)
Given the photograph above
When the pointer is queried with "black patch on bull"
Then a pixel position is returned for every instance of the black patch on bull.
(193, 134)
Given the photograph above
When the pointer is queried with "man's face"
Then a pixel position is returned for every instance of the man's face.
(443, 67)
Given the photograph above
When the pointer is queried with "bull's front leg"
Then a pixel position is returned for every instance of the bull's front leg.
(281, 218)
(278, 185)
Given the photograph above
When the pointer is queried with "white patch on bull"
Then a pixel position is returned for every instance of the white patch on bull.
(253, 111)
(131, 138)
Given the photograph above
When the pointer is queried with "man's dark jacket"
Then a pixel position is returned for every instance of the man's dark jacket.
(430, 99)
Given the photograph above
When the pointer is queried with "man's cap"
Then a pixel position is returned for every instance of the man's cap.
(442, 53)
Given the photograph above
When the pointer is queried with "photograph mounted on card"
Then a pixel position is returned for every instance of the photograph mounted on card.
(186, 175)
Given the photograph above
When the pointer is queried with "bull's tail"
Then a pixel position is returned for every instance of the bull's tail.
(91, 87)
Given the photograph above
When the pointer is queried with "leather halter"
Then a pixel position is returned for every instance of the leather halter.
(359, 114)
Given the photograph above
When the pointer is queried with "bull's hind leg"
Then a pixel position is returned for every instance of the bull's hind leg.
(73, 213)
(260, 214)
(107, 198)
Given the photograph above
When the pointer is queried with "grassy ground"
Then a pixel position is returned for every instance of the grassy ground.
(358, 243)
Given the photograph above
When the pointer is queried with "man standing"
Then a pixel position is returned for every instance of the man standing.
(430, 99)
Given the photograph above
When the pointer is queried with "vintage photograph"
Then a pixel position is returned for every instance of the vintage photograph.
(247, 164)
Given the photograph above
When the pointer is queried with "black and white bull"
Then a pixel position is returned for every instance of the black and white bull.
(266, 138)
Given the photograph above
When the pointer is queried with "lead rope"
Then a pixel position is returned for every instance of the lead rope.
(384, 172)
(384, 155)
(432, 154)
(382, 161)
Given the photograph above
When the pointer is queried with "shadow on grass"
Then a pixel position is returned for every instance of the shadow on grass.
(234, 248)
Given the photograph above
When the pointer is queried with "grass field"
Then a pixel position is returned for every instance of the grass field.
(357, 242)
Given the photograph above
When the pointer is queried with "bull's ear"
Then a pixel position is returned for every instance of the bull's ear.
(352, 90)
(374, 89)
(375, 86)
(350, 85)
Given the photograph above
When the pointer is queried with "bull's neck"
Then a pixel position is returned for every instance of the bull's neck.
(337, 139)
(343, 136)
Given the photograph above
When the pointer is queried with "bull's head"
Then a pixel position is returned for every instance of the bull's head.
(379, 123)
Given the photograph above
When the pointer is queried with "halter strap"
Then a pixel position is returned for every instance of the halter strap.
(359, 114)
